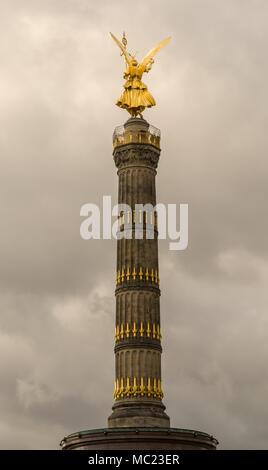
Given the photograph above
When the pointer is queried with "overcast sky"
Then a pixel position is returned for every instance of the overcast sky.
(60, 75)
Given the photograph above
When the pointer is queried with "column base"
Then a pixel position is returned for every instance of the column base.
(139, 439)
(138, 414)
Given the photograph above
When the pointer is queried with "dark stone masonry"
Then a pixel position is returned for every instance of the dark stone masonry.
(138, 419)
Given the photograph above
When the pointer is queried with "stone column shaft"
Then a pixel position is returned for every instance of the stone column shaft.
(138, 385)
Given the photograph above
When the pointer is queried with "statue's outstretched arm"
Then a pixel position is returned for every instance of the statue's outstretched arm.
(149, 65)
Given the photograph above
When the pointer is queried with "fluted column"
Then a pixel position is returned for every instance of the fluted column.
(138, 385)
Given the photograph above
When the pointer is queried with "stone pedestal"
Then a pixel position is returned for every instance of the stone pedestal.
(139, 438)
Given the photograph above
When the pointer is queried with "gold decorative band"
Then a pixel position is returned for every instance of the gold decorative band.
(134, 330)
(136, 137)
(140, 216)
(126, 275)
(123, 388)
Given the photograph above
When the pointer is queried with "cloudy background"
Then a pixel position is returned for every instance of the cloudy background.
(60, 74)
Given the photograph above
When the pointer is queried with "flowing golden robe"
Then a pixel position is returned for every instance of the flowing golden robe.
(136, 96)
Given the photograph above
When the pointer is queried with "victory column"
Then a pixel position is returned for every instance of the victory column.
(138, 420)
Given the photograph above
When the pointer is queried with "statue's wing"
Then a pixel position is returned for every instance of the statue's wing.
(122, 48)
(150, 54)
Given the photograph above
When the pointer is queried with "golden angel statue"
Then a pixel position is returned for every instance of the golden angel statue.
(136, 96)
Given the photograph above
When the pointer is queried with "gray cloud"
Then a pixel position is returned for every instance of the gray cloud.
(60, 76)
